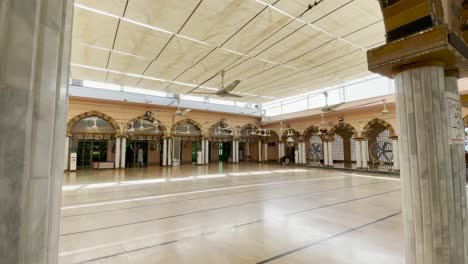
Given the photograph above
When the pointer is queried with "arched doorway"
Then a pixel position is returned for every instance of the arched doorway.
(314, 148)
(342, 135)
(221, 136)
(378, 133)
(145, 133)
(187, 135)
(92, 140)
(248, 143)
(290, 138)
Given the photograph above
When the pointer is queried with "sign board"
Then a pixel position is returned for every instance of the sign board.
(73, 161)
(455, 119)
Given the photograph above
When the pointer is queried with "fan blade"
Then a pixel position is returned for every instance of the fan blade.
(231, 86)
(230, 95)
(186, 111)
(202, 93)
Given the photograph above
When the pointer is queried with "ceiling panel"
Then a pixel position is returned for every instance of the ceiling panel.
(114, 7)
(122, 79)
(89, 56)
(179, 55)
(128, 64)
(208, 67)
(93, 29)
(288, 56)
(216, 20)
(356, 15)
(369, 36)
(166, 14)
(141, 41)
(88, 74)
(267, 23)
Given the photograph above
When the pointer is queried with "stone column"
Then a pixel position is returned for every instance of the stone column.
(396, 157)
(299, 152)
(358, 146)
(325, 152)
(237, 150)
(432, 171)
(207, 151)
(35, 39)
(123, 151)
(265, 151)
(169, 151)
(365, 154)
(259, 151)
(67, 152)
(117, 152)
(164, 161)
(330, 153)
(304, 154)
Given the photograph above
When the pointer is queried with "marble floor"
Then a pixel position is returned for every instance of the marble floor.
(245, 213)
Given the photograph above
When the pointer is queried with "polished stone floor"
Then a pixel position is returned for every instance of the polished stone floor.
(246, 213)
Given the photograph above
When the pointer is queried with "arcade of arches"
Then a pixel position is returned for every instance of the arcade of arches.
(360, 141)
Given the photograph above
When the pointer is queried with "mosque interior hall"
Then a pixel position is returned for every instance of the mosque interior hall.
(234, 131)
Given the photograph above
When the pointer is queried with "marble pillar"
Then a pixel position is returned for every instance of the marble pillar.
(396, 157)
(123, 151)
(35, 39)
(325, 153)
(299, 153)
(265, 151)
(164, 161)
(169, 151)
(358, 150)
(330, 153)
(237, 151)
(304, 154)
(207, 151)
(117, 152)
(432, 170)
(66, 155)
(259, 151)
(365, 154)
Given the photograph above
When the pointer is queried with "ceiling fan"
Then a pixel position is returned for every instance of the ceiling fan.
(224, 91)
(385, 110)
(180, 112)
(94, 128)
(329, 108)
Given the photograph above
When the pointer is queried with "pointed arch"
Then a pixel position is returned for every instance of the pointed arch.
(99, 114)
(220, 123)
(184, 121)
(342, 126)
(295, 133)
(149, 118)
(378, 121)
(311, 129)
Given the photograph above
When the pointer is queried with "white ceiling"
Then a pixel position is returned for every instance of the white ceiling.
(173, 46)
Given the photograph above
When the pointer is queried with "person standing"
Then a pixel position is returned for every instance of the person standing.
(140, 156)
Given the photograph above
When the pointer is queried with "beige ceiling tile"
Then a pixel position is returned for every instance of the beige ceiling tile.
(267, 23)
(166, 14)
(216, 20)
(360, 12)
(114, 7)
(214, 63)
(129, 64)
(295, 46)
(152, 85)
(88, 74)
(93, 28)
(141, 41)
(328, 52)
(369, 36)
(122, 79)
(179, 55)
(89, 56)
(178, 89)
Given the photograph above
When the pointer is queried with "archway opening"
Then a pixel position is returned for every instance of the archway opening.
(92, 140)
